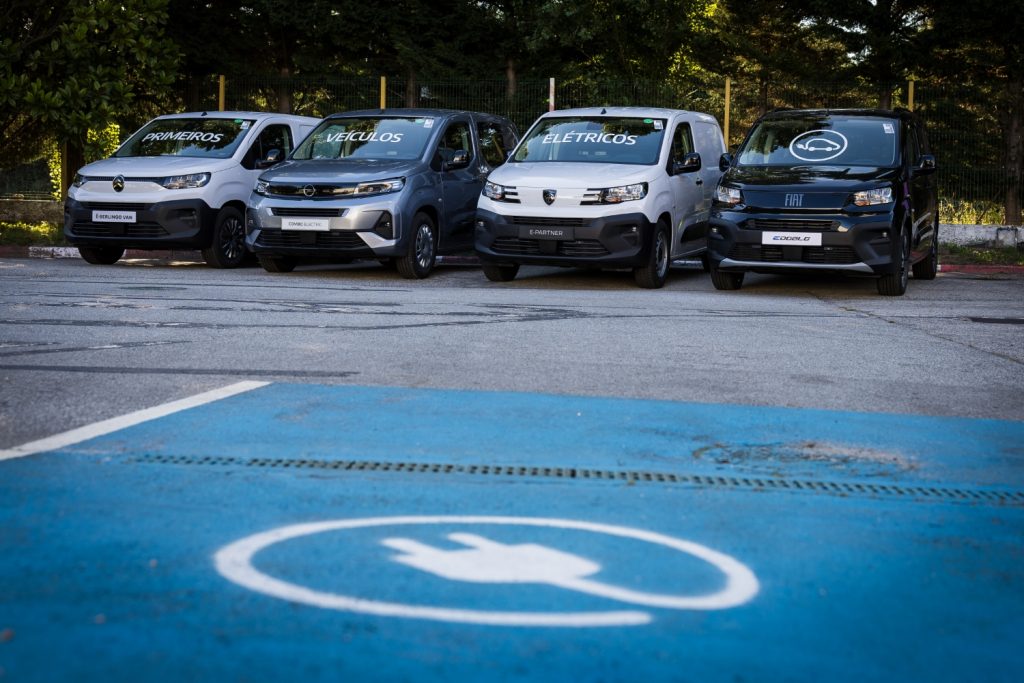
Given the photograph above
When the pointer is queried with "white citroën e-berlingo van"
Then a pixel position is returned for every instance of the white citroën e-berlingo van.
(615, 187)
(180, 182)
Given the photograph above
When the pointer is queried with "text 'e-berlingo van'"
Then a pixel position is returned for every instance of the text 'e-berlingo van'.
(847, 191)
(615, 187)
(181, 182)
(396, 185)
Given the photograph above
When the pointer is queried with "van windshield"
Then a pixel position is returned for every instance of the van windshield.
(369, 138)
(206, 137)
(606, 140)
(822, 140)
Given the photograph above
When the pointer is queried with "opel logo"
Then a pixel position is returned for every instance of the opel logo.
(309, 190)
(119, 184)
(549, 196)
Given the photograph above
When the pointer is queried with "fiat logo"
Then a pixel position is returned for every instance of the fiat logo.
(118, 183)
(549, 196)
(309, 190)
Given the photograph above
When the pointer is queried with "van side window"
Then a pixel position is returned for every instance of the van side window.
(682, 142)
(913, 148)
(456, 137)
(492, 143)
(276, 136)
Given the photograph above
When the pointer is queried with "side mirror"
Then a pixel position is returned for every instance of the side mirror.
(725, 162)
(460, 159)
(927, 165)
(688, 164)
(273, 156)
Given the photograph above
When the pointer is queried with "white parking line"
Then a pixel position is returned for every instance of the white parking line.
(130, 420)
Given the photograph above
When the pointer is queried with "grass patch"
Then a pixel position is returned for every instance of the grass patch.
(32, 234)
(994, 256)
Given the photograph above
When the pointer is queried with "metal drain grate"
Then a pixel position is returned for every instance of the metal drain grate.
(633, 476)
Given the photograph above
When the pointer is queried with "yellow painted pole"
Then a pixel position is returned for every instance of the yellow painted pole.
(551, 94)
(220, 93)
(910, 95)
(383, 92)
(728, 95)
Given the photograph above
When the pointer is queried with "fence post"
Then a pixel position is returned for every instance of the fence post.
(728, 95)
(551, 94)
(383, 92)
(220, 93)
(910, 94)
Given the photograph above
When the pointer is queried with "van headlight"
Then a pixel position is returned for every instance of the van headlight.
(184, 182)
(261, 187)
(882, 195)
(728, 195)
(623, 193)
(378, 187)
(495, 191)
(79, 180)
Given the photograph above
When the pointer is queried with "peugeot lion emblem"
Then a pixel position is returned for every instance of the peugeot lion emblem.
(119, 184)
(549, 196)
(309, 190)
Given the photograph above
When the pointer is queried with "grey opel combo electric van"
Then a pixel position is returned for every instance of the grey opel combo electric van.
(396, 185)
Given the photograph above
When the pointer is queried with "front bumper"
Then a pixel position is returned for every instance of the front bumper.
(852, 245)
(369, 228)
(183, 223)
(618, 241)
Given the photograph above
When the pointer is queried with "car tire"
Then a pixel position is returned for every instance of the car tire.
(928, 267)
(277, 264)
(421, 250)
(653, 273)
(500, 273)
(895, 283)
(227, 248)
(725, 281)
(101, 256)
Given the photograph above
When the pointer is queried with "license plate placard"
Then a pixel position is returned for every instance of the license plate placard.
(314, 224)
(791, 239)
(113, 216)
(536, 232)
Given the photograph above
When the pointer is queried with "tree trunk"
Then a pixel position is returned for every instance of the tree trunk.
(1013, 144)
(412, 90)
(72, 158)
(762, 90)
(885, 98)
(284, 91)
(510, 78)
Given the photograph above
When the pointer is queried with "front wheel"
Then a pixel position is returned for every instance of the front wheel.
(652, 274)
(928, 267)
(725, 281)
(101, 256)
(895, 283)
(277, 264)
(227, 250)
(500, 273)
(421, 251)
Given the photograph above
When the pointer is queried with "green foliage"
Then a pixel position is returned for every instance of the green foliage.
(31, 234)
(68, 68)
(992, 256)
(99, 144)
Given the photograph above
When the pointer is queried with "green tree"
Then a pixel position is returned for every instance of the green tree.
(68, 68)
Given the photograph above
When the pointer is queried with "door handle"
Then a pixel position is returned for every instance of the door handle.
(698, 181)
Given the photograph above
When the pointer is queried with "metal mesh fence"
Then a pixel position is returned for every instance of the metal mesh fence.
(964, 132)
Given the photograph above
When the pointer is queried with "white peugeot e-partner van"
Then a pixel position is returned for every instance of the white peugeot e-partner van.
(180, 182)
(615, 187)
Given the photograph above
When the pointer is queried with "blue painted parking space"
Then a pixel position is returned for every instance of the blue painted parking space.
(362, 533)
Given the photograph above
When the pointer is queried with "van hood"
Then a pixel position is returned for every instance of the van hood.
(340, 170)
(563, 174)
(810, 178)
(154, 167)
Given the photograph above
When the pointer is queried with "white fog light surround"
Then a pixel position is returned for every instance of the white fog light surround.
(623, 193)
(882, 195)
(379, 187)
(183, 182)
(728, 195)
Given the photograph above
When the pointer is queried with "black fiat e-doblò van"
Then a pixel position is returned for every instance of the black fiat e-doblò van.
(848, 191)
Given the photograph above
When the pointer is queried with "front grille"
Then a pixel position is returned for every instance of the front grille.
(118, 230)
(755, 252)
(306, 212)
(326, 240)
(549, 222)
(789, 224)
(830, 255)
(115, 206)
(819, 255)
(515, 245)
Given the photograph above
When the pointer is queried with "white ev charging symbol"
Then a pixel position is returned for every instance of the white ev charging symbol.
(487, 561)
